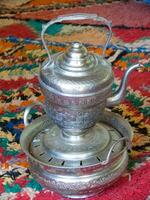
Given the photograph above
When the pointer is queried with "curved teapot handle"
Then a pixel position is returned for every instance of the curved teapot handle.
(27, 112)
(77, 16)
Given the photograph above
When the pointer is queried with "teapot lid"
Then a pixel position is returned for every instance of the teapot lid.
(76, 61)
(84, 72)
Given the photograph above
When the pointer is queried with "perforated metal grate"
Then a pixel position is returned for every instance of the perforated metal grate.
(43, 154)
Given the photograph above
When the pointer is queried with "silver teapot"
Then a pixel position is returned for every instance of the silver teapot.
(77, 85)
(79, 147)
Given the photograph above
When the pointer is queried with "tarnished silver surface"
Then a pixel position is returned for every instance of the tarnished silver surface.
(77, 84)
(99, 143)
(79, 147)
(77, 176)
(76, 95)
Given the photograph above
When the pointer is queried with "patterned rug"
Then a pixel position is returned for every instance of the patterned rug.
(21, 52)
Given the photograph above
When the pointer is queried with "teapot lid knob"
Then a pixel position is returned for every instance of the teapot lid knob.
(76, 59)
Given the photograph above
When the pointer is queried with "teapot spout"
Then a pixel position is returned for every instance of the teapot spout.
(120, 93)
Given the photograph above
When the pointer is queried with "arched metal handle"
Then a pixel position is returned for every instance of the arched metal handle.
(128, 146)
(77, 16)
(27, 112)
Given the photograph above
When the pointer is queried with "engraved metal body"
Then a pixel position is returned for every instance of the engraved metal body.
(77, 172)
(79, 147)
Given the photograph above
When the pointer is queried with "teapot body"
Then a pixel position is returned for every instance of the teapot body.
(74, 114)
(76, 98)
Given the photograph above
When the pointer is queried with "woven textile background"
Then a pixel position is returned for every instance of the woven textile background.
(21, 52)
